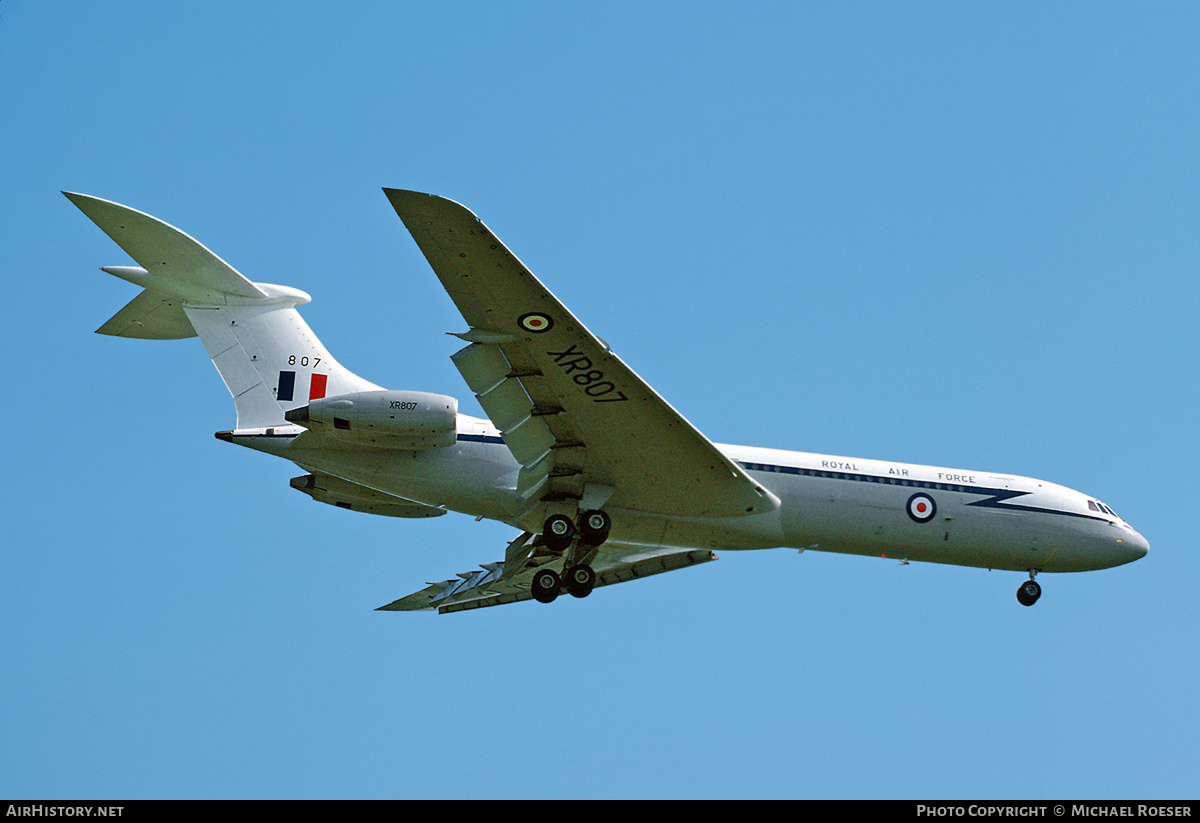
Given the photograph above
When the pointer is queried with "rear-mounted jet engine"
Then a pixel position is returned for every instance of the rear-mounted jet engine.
(391, 419)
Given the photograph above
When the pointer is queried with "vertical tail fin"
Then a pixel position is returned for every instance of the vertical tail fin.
(267, 355)
(270, 360)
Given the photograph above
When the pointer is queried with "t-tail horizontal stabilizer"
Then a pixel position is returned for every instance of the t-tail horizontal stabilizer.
(270, 360)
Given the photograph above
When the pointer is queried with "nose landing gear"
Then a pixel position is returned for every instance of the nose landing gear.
(1030, 591)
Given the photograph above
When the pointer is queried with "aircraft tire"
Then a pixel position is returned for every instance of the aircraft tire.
(545, 586)
(1029, 593)
(558, 532)
(581, 579)
(593, 527)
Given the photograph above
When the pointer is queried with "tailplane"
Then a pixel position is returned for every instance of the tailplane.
(267, 355)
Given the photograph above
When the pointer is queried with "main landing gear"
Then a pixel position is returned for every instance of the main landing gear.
(561, 535)
(1030, 591)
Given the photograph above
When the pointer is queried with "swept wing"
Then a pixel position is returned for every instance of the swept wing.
(580, 422)
(489, 586)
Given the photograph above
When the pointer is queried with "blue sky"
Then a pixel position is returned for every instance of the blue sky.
(945, 233)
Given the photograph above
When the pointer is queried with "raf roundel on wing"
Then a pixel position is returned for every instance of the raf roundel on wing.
(535, 322)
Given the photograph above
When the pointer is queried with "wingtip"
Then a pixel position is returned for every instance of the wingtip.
(86, 202)
(401, 196)
(418, 204)
(77, 196)
(392, 607)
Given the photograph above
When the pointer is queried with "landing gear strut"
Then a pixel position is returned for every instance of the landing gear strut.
(1030, 591)
(558, 534)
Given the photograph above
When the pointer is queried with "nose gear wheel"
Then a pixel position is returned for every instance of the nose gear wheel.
(1030, 590)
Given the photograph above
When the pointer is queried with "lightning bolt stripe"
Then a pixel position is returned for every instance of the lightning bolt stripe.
(997, 499)
(990, 498)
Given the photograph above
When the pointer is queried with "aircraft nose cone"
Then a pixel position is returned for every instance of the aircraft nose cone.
(1137, 546)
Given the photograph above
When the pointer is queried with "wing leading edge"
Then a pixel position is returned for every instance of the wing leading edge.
(581, 423)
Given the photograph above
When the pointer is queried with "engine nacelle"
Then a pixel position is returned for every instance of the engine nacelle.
(393, 419)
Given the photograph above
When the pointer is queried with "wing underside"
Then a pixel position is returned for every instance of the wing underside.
(579, 420)
(490, 586)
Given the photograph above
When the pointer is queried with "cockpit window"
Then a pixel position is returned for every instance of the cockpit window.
(1097, 506)
(1092, 505)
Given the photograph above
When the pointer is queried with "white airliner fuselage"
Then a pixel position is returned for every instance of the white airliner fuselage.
(607, 482)
(834, 504)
